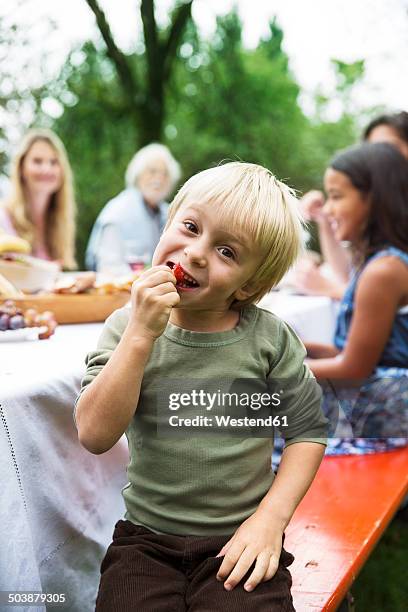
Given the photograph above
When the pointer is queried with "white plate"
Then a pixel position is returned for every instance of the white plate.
(18, 335)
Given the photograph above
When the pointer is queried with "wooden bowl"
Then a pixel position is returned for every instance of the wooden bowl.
(75, 308)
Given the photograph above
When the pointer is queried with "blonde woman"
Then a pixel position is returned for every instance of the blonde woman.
(40, 206)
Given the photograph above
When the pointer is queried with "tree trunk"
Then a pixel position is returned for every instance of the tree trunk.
(152, 125)
(146, 101)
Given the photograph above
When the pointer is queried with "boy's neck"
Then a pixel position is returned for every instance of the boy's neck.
(209, 321)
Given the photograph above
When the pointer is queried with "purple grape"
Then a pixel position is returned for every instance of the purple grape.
(4, 322)
(16, 322)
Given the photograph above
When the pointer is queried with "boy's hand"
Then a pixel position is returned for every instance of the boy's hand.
(259, 539)
(153, 296)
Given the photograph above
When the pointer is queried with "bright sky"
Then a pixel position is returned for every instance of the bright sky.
(315, 31)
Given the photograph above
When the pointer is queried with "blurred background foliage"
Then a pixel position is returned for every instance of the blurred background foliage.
(217, 100)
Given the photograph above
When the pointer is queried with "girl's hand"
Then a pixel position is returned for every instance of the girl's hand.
(259, 539)
(308, 278)
(311, 206)
(154, 294)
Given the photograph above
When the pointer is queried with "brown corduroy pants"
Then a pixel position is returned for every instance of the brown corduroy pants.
(147, 572)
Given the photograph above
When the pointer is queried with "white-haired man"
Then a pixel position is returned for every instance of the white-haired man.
(129, 226)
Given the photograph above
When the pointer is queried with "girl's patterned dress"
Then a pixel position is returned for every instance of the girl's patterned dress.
(371, 415)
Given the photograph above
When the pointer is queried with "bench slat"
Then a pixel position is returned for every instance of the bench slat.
(337, 524)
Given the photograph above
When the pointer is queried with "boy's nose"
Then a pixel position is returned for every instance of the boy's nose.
(196, 256)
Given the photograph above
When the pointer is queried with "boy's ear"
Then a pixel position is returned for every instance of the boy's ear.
(245, 292)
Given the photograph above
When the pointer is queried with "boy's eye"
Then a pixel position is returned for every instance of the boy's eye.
(227, 252)
(190, 226)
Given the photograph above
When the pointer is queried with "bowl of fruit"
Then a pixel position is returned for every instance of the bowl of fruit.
(27, 273)
(19, 324)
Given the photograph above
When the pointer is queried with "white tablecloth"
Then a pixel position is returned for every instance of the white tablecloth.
(313, 318)
(59, 503)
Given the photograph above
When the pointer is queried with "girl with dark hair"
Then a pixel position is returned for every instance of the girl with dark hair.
(390, 128)
(367, 366)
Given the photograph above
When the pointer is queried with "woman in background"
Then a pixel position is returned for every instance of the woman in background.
(40, 206)
(129, 227)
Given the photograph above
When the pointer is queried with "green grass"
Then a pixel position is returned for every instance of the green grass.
(382, 585)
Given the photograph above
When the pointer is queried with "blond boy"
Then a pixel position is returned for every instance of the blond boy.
(205, 515)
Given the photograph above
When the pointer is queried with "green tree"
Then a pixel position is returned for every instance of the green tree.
(330, 135)
(231, 103)
(23, 69)
(143, 83)
(223, 102)
(12, 91)
(97, 130)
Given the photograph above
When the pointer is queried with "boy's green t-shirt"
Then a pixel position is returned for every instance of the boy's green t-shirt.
(193, 484)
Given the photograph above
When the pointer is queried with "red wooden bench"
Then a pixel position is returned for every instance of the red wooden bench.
(336, 526)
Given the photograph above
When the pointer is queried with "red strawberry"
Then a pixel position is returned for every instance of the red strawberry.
(178, 273)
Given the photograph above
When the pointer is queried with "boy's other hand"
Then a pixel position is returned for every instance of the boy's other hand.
(258, 539)
(154, 294)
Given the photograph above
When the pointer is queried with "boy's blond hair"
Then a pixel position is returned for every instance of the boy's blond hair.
(254, 204)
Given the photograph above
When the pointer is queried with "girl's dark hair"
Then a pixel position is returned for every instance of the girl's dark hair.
(380, 171)
(397, 121)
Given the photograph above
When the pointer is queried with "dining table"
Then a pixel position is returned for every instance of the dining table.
(59, 503)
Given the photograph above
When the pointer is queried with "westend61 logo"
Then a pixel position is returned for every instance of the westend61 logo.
(217, 411)
(228, 406)
(206, 400)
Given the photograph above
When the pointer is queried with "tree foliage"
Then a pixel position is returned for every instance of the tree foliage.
(222, 102)
(232, 103)
(23, 69)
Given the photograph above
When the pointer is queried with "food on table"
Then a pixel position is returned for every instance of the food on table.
(47, 320)
(27, 273)
(76, 298)
(21, 275)
(106, 286)
(90, 283)
(76, 284)
(16, 322)
(30, 317)
(4, 322)
(7, 289)
(13, 244)
(16, 258)
(12, 317)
